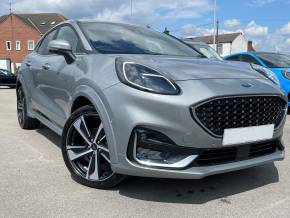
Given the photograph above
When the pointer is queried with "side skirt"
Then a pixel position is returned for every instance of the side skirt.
(45, 121)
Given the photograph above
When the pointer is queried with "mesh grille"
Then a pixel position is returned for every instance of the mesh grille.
(235, 112)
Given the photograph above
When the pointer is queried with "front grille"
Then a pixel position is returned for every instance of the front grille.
(232, 154)
(234, 112)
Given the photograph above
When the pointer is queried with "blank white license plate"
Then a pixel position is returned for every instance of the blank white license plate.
(247, 134)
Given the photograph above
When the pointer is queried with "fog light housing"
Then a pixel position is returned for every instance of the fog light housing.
(154, 149)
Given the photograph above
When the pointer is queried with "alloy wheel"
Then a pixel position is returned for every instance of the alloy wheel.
(20, 106)
(87, 148)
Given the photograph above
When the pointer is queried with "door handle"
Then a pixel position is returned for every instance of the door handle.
(46, 66)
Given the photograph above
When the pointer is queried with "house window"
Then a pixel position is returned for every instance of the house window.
(220, 49)
(18, 46)
(8, 46)
(30, 45)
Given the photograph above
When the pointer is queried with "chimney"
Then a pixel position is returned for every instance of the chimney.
(250, 46)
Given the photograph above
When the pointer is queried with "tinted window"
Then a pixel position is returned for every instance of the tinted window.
(43, 47)
(126, 39)
(234, 58)
(275, 60)
(249, 59)
(68, 34)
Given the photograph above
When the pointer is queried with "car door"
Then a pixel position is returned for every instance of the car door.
(56, 78)
(2, 78)
(35, 63)
(7, 78)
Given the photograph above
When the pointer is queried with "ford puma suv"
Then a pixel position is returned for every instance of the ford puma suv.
(131, 101)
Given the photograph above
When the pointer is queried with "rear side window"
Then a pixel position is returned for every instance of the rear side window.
(68, 34)
(43, 47)
(249, 59)
(234, 58)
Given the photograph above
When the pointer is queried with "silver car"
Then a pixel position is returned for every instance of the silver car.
(131, 101)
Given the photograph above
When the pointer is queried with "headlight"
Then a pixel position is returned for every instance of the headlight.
(286, 74)
(144, 78)
(267, 73)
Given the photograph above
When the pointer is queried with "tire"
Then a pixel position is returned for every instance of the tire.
(24, 120)
(85, 150)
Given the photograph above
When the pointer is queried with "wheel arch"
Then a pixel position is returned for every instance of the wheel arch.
(87, 95)
(80, 102)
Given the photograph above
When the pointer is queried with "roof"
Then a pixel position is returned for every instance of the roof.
(42, 22)
(222, 38)
(2, 18)
(191, 42)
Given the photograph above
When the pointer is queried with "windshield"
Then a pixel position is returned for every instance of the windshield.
(208, 51)
(275, 60)
(110, 38)
(5, 72)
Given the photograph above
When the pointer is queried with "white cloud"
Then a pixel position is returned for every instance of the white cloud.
(253, 29)
(193, 30)
(144, 12)
(259, 3)
(286, 29)
(184, 8)
(263, 40)
(231, 23)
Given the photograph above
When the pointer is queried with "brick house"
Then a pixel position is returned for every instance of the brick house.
(19, 33)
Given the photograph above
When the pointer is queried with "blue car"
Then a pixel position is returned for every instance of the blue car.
(277, 63)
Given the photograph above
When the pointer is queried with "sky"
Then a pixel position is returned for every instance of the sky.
(265, 22)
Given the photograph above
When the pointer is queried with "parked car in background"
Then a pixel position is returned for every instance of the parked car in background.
(7, 78)
(128, 100)
(277, 63)
(203, 49)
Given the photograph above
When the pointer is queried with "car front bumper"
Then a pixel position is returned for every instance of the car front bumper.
(194, 172)
(170, 115)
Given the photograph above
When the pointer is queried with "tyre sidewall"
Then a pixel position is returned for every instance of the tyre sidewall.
(112, 181)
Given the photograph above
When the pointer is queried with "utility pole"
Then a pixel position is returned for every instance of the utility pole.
(217, 35)
(10, 7)
(214, 26)
(131, 8)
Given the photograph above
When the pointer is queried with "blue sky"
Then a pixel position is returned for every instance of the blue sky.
(273, 13)
(266, 22)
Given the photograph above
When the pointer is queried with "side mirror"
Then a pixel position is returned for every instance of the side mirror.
(62, 47)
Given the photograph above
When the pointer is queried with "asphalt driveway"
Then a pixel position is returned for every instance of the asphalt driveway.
(35, 183)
